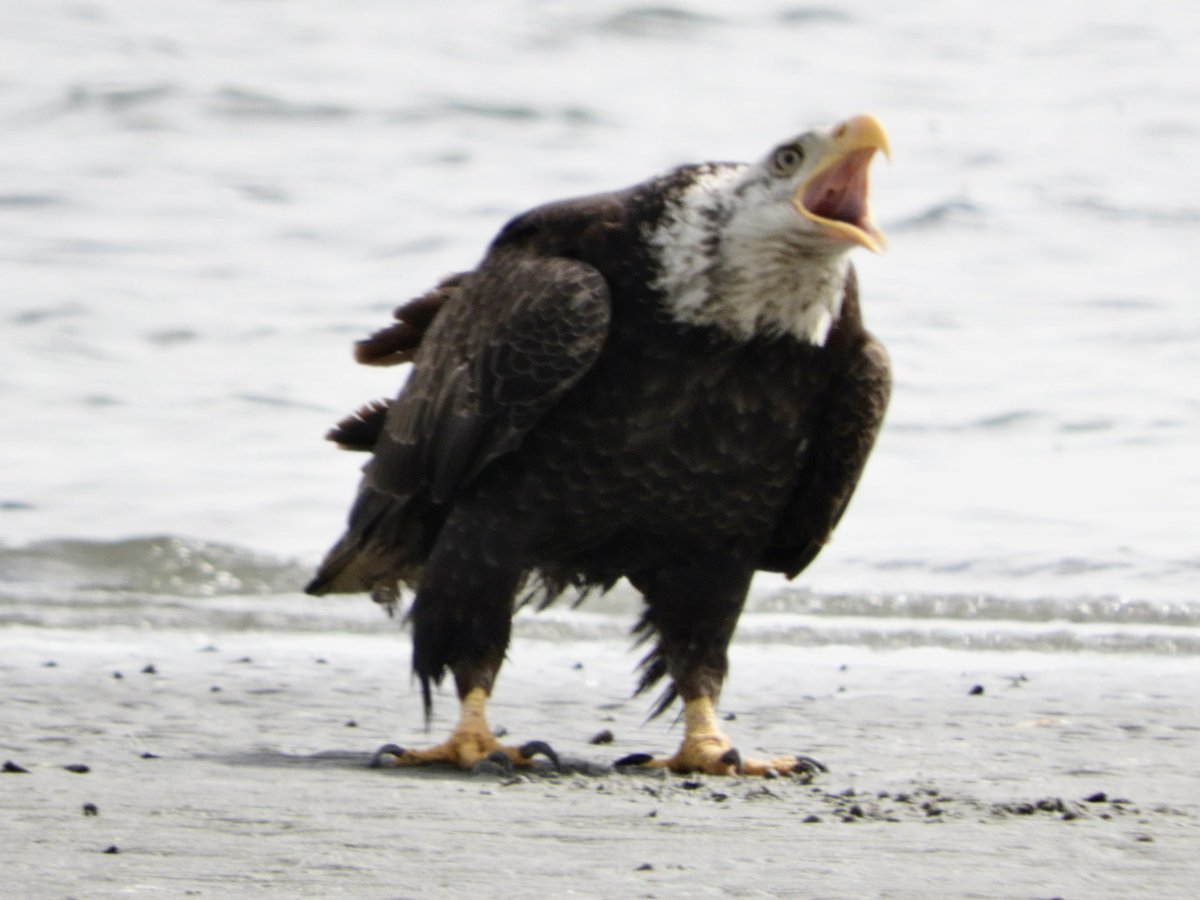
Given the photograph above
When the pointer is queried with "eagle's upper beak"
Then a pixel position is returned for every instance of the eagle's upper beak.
(835, 195)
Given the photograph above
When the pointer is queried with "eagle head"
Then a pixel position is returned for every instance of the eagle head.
(825, 171)
(810, 191)
(761, 248)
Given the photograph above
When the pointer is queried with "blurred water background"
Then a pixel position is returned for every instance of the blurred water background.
(204, 202)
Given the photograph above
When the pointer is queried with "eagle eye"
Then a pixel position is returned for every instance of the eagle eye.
(788, 159)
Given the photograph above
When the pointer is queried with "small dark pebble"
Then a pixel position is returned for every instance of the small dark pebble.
(577, 666)
(1068, 815)
(77, 768)
(148, 669)
(13, 769)
(90, 809)
(149, 755)
(903, 798)
(112, 848)
(322, 661)
(718, 797)
(602, 737)
(653, 814)
(976, 690)
(691, 785)
(730, 717)
(118, 676)
(246, 659)
(934, 811)
(857, 811)
(211, 648)
(645, 867)
(500, 731)
(215, 689)
(1098, 797)
(809, 820)
(350, 723)
(1144, 839)
(50, 664)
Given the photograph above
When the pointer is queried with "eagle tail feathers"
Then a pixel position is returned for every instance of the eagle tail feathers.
(361, 429)
(379, 551)
(399, 342)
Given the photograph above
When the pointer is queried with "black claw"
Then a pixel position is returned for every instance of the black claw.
(533, 748)
(634, 759)
(386, 750)
(731, 757)
(810, 765)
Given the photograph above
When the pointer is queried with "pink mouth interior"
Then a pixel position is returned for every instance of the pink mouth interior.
(840, 192)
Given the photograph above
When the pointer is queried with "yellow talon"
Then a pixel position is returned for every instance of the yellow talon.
(471, 742)
(707, 749)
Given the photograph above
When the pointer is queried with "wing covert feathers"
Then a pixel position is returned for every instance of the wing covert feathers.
(497, 349)
(494, 361)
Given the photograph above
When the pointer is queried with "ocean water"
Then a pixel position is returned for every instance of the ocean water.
(204, 202)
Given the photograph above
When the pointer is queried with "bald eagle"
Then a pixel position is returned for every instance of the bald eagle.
(669, 383)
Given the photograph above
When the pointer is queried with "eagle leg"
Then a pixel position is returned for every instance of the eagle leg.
(707, 749)
(470, 744)
(693, 611)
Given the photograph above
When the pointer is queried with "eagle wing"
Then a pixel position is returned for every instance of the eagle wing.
(517, 335)
(849, 421)
(508, 342)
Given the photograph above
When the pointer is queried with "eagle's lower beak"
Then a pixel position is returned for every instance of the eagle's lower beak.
(835, 195)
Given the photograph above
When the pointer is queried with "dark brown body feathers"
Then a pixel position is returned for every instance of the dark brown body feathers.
(559, 423)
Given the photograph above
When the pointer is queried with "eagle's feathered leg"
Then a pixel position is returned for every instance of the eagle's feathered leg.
(693, 613)
(462, 621)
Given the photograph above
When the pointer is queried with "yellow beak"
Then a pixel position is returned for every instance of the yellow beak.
(835, 195)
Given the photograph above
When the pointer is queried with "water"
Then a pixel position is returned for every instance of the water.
(202, 204)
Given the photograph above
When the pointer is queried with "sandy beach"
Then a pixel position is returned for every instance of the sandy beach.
(173, 763)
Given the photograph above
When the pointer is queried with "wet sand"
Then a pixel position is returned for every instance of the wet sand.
(235, 765)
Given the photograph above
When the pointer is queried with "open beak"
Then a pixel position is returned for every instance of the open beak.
(835, 195)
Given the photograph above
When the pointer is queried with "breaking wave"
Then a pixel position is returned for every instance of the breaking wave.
(163, 565)
(175, 582)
